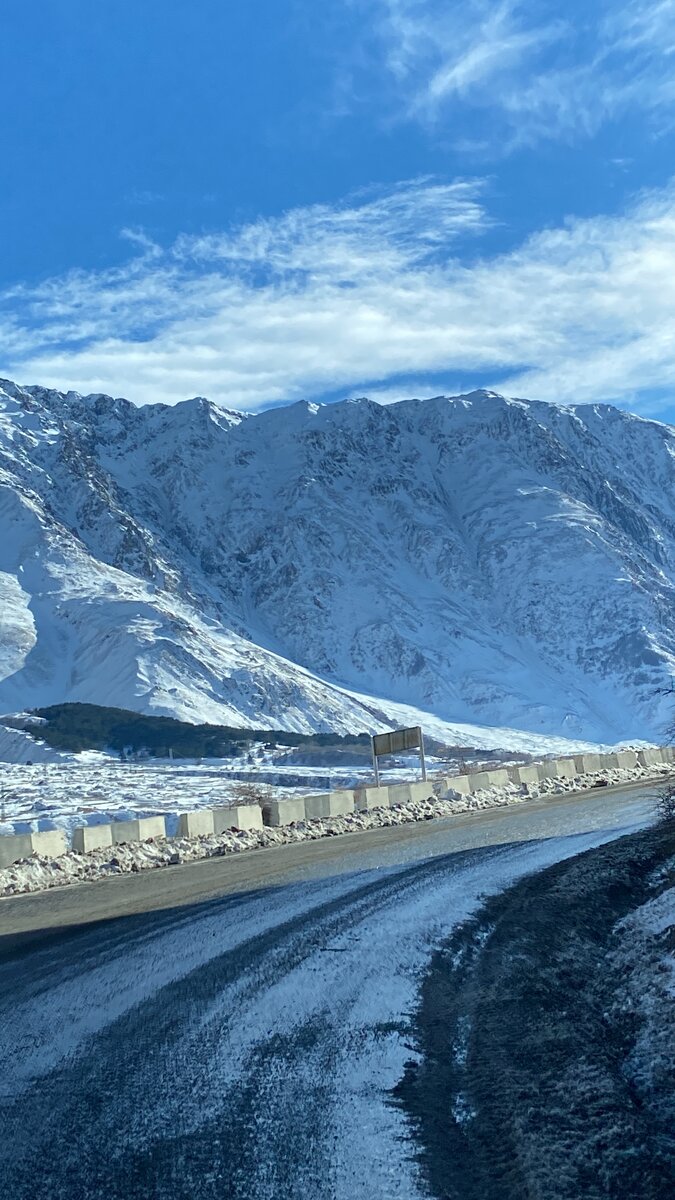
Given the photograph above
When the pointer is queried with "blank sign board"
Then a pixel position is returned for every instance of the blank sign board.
(398, 741)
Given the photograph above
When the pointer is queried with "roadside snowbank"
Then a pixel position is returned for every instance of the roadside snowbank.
(37, 873)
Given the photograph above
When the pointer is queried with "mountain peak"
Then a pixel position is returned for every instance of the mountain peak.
(462, 560)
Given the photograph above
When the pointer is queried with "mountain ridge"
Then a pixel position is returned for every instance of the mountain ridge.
(479, 560)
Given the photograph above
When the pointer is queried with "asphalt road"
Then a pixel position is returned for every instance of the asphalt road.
(235, 1028)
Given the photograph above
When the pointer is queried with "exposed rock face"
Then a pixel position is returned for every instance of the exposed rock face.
(480, 559)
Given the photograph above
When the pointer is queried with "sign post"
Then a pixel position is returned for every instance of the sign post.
(398, 742)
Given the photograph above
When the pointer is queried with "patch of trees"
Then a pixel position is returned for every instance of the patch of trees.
(76, 727)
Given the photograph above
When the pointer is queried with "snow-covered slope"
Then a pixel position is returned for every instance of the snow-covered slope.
(478, 560)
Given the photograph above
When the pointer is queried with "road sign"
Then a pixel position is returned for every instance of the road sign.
(397, 742)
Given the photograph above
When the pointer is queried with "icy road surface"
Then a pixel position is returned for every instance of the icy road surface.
(247, 1047)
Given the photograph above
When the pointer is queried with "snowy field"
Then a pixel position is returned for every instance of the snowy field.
(93, 789)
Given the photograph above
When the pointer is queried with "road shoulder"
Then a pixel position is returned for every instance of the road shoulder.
(538, 1072)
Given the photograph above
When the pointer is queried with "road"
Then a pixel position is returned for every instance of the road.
(247, 1045)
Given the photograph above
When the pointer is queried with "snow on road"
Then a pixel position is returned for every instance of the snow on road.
(247, 1048)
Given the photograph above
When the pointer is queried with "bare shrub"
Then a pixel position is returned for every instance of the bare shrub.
(665, 802)
(245, 792)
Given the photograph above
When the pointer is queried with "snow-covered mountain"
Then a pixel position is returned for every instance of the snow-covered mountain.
(476, 560)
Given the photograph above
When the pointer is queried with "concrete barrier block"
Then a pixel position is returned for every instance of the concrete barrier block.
(565, 768)
(410, 793)
(547, 769)
(92, 837)
(399, 793)
(455, 783)
(317, 806)
(341, 802)
(423, 790)
(488, 779)
(372, 797)
(139, 830)
(196, 824)
(284, 812)
(622, 760)
(668, 753)
(588, 764)
(237, 816)
(610, 761)
(479, 781)
(524, 775)
(51, 843)
(329, 804)
(650, 758)
(556, 768)
(13, 847)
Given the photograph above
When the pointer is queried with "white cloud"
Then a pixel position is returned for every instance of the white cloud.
(642, 24)
(454, 51)
(359, 297)
(537, 72)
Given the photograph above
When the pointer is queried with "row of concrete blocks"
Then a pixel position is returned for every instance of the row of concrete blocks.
(204, 822)
(559, 768)
(52, 843)
(341, 803)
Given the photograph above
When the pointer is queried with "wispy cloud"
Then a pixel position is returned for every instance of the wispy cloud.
(236, 315)
(642, 24)
(358, 297)
(539, 70)
(456, 51)
(144, 197)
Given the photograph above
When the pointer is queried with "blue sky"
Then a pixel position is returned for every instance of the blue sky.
(274, 200)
